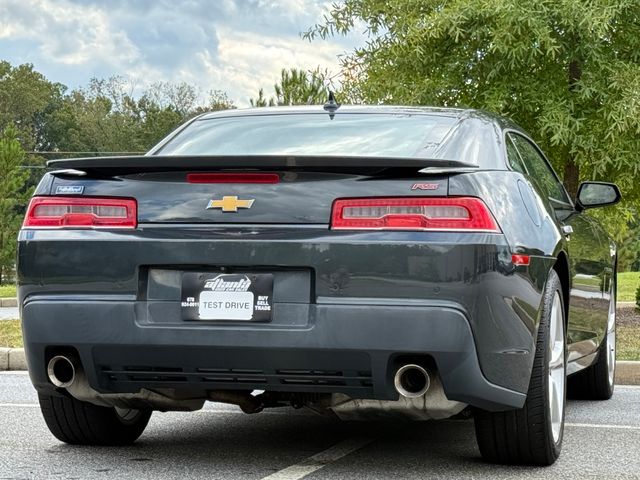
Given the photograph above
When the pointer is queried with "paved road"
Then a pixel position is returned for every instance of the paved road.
(8, 313)
(601, 440)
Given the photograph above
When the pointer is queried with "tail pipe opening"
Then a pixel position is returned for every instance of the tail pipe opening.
(412, 381)
(61, 371)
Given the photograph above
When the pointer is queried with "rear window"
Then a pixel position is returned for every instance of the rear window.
(367, 135)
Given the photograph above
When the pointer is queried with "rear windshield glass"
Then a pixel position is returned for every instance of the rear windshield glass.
(368, 135)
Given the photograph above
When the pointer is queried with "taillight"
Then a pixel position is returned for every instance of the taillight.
(413, 213)
(81, 212)
(520, 259)
(233, 178)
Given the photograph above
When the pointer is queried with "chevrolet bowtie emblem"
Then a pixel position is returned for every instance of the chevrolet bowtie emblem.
(230, 204)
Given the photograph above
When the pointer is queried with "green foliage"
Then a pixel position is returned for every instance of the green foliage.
(12, 199)
(8, 291)
(262, 101)
(25, 98)
(296, 87)
(567, 71)
(628, 283)
(629, 249)
(638, 297)
(106, 117)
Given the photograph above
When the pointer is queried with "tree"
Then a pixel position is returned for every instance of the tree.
(219, 100)
(107, 117)
(629, 249)
(262, 101)
(567, 71)
(103, 117)
(13, 198)
(181, 97)
(25, 98)
(296, 87)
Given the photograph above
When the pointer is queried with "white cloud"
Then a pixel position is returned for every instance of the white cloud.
(67, 33)
(247, 61)
(232, 45)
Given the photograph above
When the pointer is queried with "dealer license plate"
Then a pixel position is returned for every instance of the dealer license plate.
(227, 296)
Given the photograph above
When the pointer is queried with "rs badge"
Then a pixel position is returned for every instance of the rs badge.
(230, 204)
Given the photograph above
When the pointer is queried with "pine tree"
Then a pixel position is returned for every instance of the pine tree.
(13, 198)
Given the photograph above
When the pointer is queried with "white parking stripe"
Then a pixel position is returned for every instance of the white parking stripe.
(319, 460)
(602, 425)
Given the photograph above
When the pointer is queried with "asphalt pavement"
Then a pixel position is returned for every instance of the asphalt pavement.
(602, 439)
(9, 313)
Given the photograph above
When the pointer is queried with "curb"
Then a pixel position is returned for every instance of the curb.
(8, 302)
(627, 372)
(12, 359)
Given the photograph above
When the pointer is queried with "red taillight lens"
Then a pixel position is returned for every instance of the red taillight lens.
(520, 259)
(81, 212)
(233, 178)
(413, 213)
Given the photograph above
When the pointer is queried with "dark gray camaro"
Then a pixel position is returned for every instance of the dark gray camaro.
(360, 261)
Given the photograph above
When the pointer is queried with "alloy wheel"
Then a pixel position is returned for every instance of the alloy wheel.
(557, 374)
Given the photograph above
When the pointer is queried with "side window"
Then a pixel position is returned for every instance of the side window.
(538, 168)
(513, 156)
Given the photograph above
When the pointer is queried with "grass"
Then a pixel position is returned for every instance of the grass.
(10, 333)
(628, 283)
(628, 342)
(7, 291)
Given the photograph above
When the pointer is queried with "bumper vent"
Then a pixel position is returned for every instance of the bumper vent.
(196, 370)
(227, 377)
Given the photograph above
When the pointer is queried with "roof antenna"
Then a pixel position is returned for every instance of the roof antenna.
(331, 106)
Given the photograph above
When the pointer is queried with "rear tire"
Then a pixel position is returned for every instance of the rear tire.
(533, 434)
(597, 382)
(81, 423)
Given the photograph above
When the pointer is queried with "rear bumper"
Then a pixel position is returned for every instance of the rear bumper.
(348, 347)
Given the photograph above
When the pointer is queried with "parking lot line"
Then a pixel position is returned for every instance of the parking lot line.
(603, 425)
(319, 460)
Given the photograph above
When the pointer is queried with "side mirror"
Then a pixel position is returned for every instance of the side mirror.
(597, 194)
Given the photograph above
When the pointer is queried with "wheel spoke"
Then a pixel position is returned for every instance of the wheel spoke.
(611, 338)
(556, 366)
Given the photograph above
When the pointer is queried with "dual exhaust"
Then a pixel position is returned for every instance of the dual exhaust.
(412, 381)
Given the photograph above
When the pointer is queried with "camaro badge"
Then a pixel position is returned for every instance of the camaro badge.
(230, 204)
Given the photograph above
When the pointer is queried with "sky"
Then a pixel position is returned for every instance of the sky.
(236, 46)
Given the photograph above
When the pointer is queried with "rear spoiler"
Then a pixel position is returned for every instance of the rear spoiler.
(161, 163)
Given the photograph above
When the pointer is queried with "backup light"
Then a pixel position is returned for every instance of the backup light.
(81, 212)
(413, 213)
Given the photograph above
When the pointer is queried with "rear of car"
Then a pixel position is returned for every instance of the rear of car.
(334, 260)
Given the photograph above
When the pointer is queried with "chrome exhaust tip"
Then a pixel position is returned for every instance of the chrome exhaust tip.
(412, 381)
(61, 371)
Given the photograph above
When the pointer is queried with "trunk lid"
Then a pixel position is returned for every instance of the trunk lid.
(304, 192)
